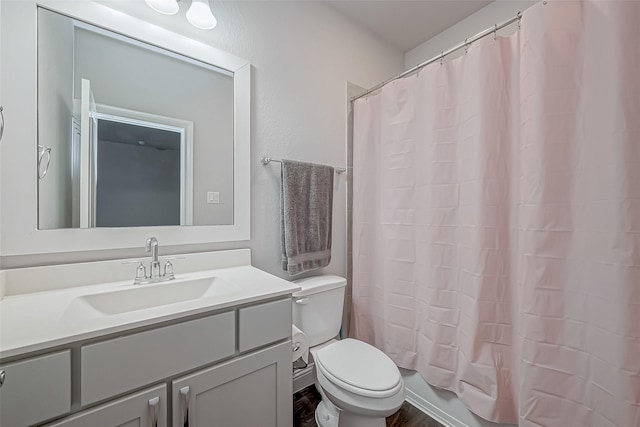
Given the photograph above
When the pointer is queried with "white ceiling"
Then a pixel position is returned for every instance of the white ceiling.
(406, 24)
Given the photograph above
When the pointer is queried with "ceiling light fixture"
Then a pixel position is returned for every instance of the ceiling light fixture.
(166, 7)
(199, 14)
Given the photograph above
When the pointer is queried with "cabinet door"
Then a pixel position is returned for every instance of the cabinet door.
(249, 391)
(35, 390)
(147, 408)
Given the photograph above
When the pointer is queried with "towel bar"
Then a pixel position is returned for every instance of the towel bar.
(267, 160)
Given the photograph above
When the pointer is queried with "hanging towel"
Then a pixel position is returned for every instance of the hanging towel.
(306, 201)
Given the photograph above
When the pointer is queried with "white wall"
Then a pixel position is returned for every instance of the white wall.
(302, 54)
(443, 405)
(488, 16)
(55, 95)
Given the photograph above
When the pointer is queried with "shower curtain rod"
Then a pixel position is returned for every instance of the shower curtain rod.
(466, 43)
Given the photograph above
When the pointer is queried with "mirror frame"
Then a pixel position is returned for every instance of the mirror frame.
(19, 234)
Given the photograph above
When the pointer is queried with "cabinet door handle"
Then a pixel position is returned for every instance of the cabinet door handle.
(1, 122)
(154, 409)
(2, 375)
(184, 399)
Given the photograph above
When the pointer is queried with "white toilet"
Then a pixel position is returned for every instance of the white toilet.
(360, 385)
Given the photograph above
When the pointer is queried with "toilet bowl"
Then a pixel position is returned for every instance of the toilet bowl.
(360, 385)
(360, 381)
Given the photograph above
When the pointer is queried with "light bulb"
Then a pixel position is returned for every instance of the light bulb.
(166, 7)
(200, 16)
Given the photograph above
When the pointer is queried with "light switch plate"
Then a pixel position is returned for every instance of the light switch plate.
(213, 197)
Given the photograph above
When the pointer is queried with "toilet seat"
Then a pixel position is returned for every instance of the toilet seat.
(359, 368)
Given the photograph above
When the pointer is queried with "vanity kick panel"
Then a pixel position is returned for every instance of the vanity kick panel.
(264, 323)
(116, 366)
(35, 390)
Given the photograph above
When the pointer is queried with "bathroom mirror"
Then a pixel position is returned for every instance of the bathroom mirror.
(30, 224)
(129, 134)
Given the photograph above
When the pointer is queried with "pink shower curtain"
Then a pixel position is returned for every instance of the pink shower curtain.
(497, 220)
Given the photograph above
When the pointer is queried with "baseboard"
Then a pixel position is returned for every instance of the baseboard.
(303, 378)
(433, 411)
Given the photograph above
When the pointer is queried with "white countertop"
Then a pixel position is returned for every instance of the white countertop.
(36, 321)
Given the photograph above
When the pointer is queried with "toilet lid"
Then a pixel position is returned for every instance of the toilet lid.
(359, 365)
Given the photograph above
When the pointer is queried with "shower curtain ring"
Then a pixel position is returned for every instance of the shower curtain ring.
(495, 32)
(441, 57)
(519, 15)
(466, 46)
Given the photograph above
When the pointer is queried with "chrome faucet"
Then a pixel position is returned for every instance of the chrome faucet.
(151, 246)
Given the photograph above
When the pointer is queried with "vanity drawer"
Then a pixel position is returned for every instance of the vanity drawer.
(116, 366)
(264, 323)
(36, 389)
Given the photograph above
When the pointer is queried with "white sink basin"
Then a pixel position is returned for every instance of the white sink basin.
(140, 297)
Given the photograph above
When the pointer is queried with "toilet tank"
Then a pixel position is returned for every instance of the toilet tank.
(317, 308)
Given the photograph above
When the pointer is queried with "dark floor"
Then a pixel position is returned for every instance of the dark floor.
(305, 402)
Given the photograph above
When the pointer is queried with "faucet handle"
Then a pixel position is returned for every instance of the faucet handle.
(141, 270)
(168, 269)
(141, 273)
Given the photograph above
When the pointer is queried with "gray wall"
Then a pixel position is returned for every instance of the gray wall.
(55, 96)
(131, 77)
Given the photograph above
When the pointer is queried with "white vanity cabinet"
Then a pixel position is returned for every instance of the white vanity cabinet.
(229, 368)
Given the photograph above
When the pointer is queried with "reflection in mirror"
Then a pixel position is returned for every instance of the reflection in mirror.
(139, 136)
(129, 154)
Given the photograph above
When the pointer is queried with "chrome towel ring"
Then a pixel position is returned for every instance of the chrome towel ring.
(42, 150)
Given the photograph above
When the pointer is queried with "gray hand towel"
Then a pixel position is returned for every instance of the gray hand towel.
(306, 201)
